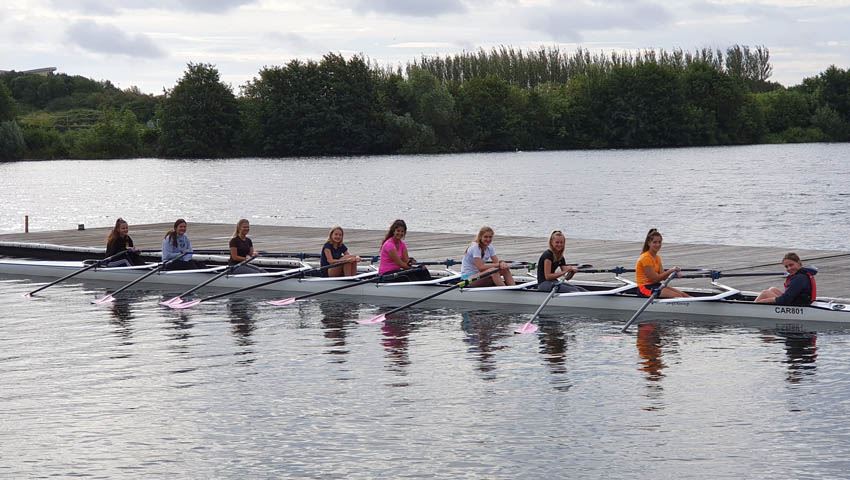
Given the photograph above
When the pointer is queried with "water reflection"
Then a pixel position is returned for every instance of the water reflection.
(335, 316)
(553, 348)
(649, 342)
(483, 331)
(121, 320)
(241, 312)
(180, 331)
(801, 353)
(396, 340)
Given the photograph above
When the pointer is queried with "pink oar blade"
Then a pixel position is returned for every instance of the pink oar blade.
(373, 320)
(102, 300)
(168, 302)
(282, 302)
(183, 305)
(527, 327)
(27, 295)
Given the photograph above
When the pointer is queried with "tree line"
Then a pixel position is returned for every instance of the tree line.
(497, 100)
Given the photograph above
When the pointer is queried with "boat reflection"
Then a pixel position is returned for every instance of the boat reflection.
(483, 332)
(801, 352)
(553, 348)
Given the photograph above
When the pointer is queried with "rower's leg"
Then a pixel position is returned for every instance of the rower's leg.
(350, 269)
(508, 276)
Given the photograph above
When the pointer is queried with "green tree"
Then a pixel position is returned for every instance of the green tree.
(115, 135)
(7, 104)
(784, 109)
(489, 114)
(11, 140)
(309, 108)
(430, 103)
(199, 116)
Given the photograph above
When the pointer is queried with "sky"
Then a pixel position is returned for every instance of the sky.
(147, 43)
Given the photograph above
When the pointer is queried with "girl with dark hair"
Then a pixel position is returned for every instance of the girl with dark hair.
(118, 241)
(175, 244)
(800, 287)
(394, 256)
(649, 273)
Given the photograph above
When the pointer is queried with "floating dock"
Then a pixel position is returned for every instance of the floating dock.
(833, 278)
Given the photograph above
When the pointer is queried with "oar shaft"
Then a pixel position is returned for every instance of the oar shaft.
(209, 281)
(379, 278)
(648, 302)
(73, 274)
(299, 273)
(462, 283)
(552, 293)
(155, 270)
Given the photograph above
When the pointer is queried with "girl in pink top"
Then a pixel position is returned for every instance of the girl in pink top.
(394, 255)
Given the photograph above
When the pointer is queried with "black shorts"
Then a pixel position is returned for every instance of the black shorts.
(646, 290)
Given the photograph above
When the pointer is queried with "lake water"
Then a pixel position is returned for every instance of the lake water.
(241, 389)
(795, 196)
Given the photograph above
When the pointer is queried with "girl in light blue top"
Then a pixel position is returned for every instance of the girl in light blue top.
(481, 256)
(176, 243)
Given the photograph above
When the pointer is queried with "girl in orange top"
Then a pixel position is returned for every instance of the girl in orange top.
(649, 273)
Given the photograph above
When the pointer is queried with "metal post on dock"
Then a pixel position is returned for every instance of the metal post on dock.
(26, 224)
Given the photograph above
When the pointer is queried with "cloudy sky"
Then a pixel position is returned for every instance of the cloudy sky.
(147, 43)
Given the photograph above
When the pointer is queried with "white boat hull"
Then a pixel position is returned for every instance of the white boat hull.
(837, 314)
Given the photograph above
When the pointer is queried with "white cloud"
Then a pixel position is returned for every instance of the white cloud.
(107, 39)
(242, 36)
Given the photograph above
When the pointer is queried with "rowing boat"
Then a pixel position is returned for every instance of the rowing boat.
(615, 295)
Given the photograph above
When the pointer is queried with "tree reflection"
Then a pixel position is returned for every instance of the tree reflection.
(483, 330)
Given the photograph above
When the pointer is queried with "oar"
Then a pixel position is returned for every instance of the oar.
(380, 278)
(529, 326)
(66, 277)
(716, 274)
(655, 293)
(299, 273)
(299, 255)
(111, 297)
(461, 284)
(226, 271)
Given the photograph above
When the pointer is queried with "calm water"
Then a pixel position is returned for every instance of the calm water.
(794, 196)
(240, 389)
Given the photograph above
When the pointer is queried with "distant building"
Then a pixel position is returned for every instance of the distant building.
(37, 71)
